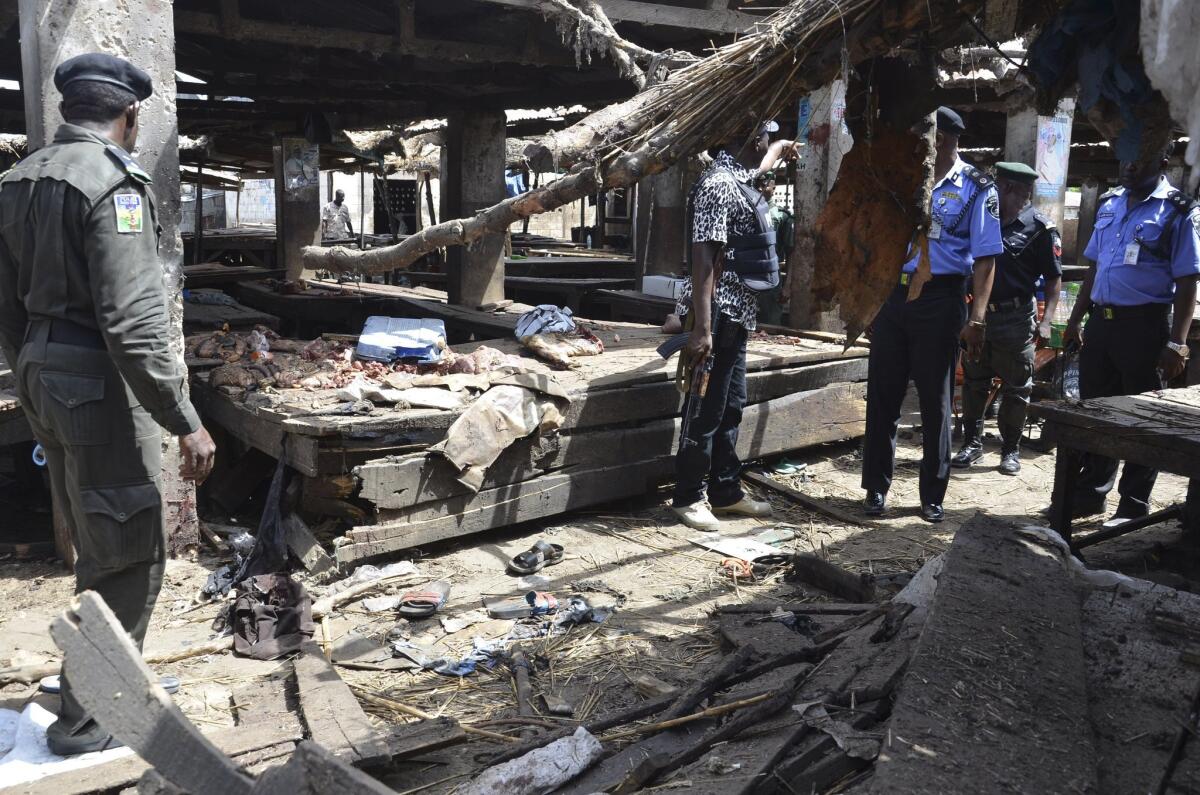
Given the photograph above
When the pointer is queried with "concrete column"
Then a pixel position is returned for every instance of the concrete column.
(142, 31)
(297, 202)
(826, 140)
(472, 178)
(664, 238)
(1089, 202)
(1043, 142)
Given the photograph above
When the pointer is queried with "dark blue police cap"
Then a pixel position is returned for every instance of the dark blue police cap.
(99, 67)
(949, 121)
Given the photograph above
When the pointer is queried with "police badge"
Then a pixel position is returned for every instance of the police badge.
(993, 205)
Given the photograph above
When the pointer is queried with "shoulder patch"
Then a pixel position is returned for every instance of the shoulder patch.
(1045, 220)
(130, 215)
(978, 177)
(1182, 202)
(128, 164)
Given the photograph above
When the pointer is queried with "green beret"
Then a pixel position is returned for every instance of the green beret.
(1017, 172)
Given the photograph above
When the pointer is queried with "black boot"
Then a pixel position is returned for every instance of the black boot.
(1010, 462)
(972, 446)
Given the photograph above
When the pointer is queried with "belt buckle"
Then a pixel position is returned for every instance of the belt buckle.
(1108, 313)
(904, 279)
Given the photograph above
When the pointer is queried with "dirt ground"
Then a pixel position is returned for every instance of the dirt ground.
(635, 549)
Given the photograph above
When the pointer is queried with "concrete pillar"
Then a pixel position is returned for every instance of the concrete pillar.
(297, 202)
(665, 223)
(1043, 142)
(826, 140)
(1089, 203)
(142, 31)
(472, 178)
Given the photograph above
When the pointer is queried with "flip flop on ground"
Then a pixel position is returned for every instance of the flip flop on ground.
(426, 602)
(537, 557)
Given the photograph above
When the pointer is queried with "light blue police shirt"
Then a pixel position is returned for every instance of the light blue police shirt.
(970, 224)
(1168, 248)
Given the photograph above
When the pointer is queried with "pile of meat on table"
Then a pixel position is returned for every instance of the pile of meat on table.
(262, 360)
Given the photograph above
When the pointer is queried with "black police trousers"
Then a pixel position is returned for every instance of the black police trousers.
(708, 442)
(1120, 357)
(915, 340)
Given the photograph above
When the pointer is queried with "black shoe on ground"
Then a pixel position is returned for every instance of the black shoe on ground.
(1010, 463)
(968, 454)
(875, 503)
(932, 513)
(84, 742)
(1123, 516)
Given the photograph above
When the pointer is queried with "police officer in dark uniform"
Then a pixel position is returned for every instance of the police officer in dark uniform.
(1145, 253)
(83, 319)
(1032, 251)
(919, 338)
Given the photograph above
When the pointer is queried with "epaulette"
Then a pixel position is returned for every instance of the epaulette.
(128, 164)
(1043, 219)
(980, 178)
(1182, 202)
(1108, 194)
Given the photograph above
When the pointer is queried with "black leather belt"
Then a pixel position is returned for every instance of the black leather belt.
(1140, 311)
(65, 332)
(946, 281)
(1009, 304)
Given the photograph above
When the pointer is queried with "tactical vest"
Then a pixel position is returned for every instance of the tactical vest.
(752, 257)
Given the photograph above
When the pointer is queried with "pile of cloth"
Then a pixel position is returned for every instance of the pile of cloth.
(552, 334)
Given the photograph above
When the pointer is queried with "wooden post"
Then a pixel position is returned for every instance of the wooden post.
(198, 216)
(601, 219)
(1089, 203)
(826, 140)
(52, 32)
(362, 208)
(297, 202)
(473, 178)
(429, 199)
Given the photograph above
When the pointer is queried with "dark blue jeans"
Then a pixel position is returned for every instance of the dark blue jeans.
(709, 447)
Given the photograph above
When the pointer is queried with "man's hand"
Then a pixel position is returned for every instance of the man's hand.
(1073, 333)
(698, 347)
(1044, 331)
(196, 453)
(973, 336)
(1171, 364)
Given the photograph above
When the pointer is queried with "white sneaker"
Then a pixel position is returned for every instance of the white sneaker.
(698, 516)
(747, 507)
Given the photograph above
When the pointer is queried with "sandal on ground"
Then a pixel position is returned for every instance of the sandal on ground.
(424, 603)
(537, 557)
(535, 603)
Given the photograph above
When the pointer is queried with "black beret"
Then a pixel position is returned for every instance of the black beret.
(1017, 172)
(949, 121)
(99, 67)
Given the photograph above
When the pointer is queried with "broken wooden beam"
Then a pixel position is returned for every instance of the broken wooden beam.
(332, 714)
(113, 683)
(814, 503)
(831, 578)
(1003, 607)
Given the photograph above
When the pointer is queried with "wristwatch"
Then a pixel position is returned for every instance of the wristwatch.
(1182, 350)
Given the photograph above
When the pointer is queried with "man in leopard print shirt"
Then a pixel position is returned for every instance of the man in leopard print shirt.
(723, 311)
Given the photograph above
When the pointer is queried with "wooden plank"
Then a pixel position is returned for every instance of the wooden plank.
(256, 428)
(413, 739)
(995, 670)
(206, 317)
(331, 712)
(102, 662)
(833, 413)
(402, 482)
(305, 546)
